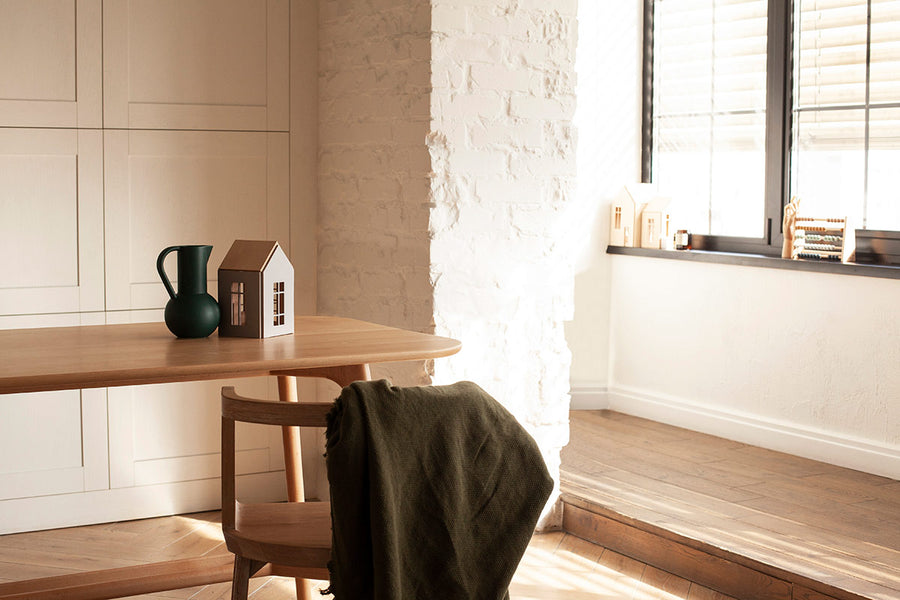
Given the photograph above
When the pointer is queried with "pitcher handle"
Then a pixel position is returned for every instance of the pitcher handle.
(162, 271)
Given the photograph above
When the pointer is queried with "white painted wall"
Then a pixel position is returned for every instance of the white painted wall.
(802, 362)
(607, 118)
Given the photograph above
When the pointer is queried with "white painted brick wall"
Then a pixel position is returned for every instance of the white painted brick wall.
(374, 82)
(446, 168)
(503, 161)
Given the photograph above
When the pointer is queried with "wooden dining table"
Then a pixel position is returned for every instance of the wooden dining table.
(69, 358)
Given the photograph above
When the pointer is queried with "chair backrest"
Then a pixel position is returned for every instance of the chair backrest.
(249, 410)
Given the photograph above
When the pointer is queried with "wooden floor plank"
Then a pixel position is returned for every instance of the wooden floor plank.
(792, 466)
(12, 571)
(556, 566)
(819, 523)
(698, 592)
(44, 556)
(669, 584)
(657, 470)
(820, 509)
(760, 547)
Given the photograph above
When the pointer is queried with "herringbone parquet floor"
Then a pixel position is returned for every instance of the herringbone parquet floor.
(555, 566)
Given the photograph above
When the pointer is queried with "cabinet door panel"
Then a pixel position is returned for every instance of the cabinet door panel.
(52, 320)
(196, 64)
(50, 75)
(51, 221)
(165, 188)
(52, 443)
(170, 432)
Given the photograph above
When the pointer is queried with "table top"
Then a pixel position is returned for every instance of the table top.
(61, 358)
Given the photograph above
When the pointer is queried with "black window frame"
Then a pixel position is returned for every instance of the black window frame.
(779, 101)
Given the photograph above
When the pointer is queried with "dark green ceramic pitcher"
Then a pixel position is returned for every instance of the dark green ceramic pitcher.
(191, 313)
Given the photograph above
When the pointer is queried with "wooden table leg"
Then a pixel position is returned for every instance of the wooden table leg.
(293, 463)
(293, 458)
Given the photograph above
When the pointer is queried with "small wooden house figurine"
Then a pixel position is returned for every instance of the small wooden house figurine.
(256, 291)
(656, 224)
(625, 214)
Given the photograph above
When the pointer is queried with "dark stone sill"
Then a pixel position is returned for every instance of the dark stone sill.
(759, 260)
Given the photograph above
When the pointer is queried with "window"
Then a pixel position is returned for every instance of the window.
(278, 303)
(754, 101)
(238, 312)
(846, 113)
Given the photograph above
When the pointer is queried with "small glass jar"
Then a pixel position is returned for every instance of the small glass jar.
(682, 239)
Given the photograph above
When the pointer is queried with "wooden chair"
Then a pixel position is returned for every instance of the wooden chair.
(293, 537)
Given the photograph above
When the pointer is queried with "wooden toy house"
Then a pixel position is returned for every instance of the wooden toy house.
(656, 224)
(256, 290)
(625, 214)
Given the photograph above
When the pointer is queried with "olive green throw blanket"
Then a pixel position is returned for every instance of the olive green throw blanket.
(435, 493)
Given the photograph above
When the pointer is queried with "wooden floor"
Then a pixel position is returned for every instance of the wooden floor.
(737, 518)
(555, 566)
(673, 514)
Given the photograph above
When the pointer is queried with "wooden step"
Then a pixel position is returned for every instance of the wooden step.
(747, 522)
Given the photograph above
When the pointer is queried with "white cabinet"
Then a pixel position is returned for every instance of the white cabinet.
(67, 453)
(168, 433)
(51, 220)
(196, 64)
(165, 188)
(127, 126)
(50, 74)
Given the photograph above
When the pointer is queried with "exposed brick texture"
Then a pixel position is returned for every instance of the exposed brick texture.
(446, 166)
(502, 147)
(374, 108)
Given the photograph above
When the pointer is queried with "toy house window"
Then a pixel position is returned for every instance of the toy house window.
(618, 217)
(238, 312)
(651, 229)
(278, 303)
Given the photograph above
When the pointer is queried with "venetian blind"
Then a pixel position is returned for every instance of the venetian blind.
(833, 64)
(709, 72)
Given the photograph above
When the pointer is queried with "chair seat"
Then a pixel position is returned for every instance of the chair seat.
(294, 534)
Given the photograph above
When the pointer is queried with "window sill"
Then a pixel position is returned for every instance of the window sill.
(758, 260)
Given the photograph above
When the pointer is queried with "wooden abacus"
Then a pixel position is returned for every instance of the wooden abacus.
(822, 239)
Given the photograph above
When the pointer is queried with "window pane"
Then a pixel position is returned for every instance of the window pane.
(843, 160)
(709, 113)
(738, 175)
(883, 205)
(682, 167)
(831, 67)
(829, 163)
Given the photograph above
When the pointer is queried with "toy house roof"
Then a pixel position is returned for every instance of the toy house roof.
(249, 255)
(658, 204)
(638, 193)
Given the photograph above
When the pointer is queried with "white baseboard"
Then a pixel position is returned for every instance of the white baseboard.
(588, 397)
(125, 504)
(827, 447)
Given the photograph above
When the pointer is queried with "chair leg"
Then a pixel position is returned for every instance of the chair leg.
(244, 569)
(304, 590)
